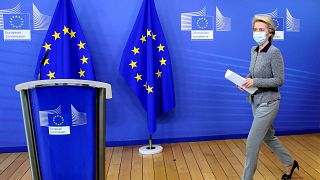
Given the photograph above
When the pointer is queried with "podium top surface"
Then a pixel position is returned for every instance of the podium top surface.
(65, 82)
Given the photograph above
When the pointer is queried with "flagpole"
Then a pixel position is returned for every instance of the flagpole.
(41, 64)
(150, 141)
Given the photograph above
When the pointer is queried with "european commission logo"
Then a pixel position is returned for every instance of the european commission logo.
(278, 24)
(292, 24)
(202, 26)
(16, 26)
(59, 121)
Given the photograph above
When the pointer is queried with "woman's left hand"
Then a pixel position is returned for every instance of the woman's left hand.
(248, 83)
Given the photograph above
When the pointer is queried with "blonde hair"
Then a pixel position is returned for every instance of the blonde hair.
(267, 20)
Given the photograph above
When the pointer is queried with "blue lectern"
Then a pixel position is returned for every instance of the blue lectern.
(65, 128)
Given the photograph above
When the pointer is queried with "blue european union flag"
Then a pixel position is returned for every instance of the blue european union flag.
(65, 53)
(146, 65)
(278, 23)
(202, 23)
(16, 21)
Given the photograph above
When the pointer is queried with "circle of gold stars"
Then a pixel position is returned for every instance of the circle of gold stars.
(66, 31)
(202, 23)
(19, 18)
(60, 117)
(136, 51)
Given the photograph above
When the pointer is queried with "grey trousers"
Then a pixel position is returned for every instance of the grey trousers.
(262, 130)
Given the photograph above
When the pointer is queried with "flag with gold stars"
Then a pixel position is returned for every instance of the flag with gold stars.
(65, 53)
(146, 65)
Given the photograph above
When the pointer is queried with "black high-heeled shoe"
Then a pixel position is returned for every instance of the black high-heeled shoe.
(288, 176)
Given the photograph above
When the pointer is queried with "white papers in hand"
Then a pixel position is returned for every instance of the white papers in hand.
(238, 80)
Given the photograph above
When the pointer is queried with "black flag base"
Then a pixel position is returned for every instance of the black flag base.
(150, 149)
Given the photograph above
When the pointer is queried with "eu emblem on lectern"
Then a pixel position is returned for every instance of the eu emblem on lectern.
(59, 120)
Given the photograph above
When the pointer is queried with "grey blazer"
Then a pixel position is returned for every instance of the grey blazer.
(267, 71)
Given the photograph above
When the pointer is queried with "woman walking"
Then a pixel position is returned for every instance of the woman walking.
(267, 74)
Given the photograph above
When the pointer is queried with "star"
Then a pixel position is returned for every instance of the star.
(46, 61)
(160, 47)
(143, 39)
(56, 35)
(72, 34)
(154, 36)
(81, 73)
(84, 59)
(149, 89)
(81, 45)
(65, 30)
(146, 85)
(51, 75)
(159, 73)
(148, 32)
(47, 46)
(133, 64)
(138, 77)
(163, 62)
(135, 50)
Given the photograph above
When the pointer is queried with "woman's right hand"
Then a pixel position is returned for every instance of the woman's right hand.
(240, 88)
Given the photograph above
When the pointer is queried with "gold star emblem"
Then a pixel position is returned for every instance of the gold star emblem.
(65, 30)
(81, 45)
(51, 75)
(138, 77)
(81, 73)
(56, 35)
(163, 62)
(84, 59)
(135, 50)
(149, 89)
(160, 47)
(154, 36)
(159, 73)
(148, 32)
(143, 39)
(72, 34)
(133, 64)
(47, 46)
(46, 61)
